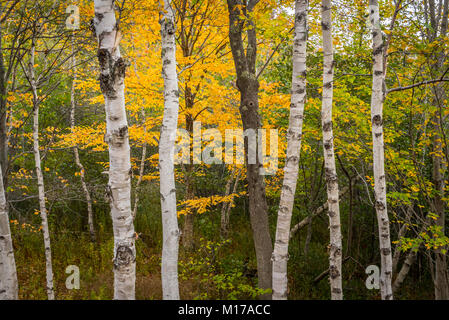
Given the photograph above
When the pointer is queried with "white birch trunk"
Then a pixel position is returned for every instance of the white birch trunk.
(112, 76)
(409, 260)
(380, 187)
(335, 250)
(294, 133)
(8, 276)
(90, 220)
(40, 177)
(170, 244)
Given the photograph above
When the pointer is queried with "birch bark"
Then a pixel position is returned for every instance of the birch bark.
(170, 246)
(8, 275)
(112, 75)
(294, 134)
(335, 251)
(380, 188)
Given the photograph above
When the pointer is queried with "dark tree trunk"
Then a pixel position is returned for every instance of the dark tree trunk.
(248, 85)
(437, 32)
(3, 113)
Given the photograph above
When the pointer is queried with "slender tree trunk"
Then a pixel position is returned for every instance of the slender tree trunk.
(411, 256)
(112, 75)
(401, 233)
(380, 187)
(294, 135)
(318, 211)
(3, 116)
(437, 31)
(335, 250)
(248, 85)
(308, 238)
(187, 233)
(350, 221)
(90, 220)
(226, 208)
(189, 218)
(409, 260)
(40, 177)
(170, 246)
(141, 169)
(144, 151)
(223, 222)
(8, 276)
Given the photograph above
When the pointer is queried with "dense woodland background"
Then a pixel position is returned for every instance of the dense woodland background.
(216, 261)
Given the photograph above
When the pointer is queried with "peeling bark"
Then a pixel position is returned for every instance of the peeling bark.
(294, 134)
(112, 75)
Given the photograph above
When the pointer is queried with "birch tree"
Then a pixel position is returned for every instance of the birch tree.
(40, 88)
(380, 187)
(112, 75)
(38, 167)
(335, 251)
(294, 134)
(170, 243)
(8, 275)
